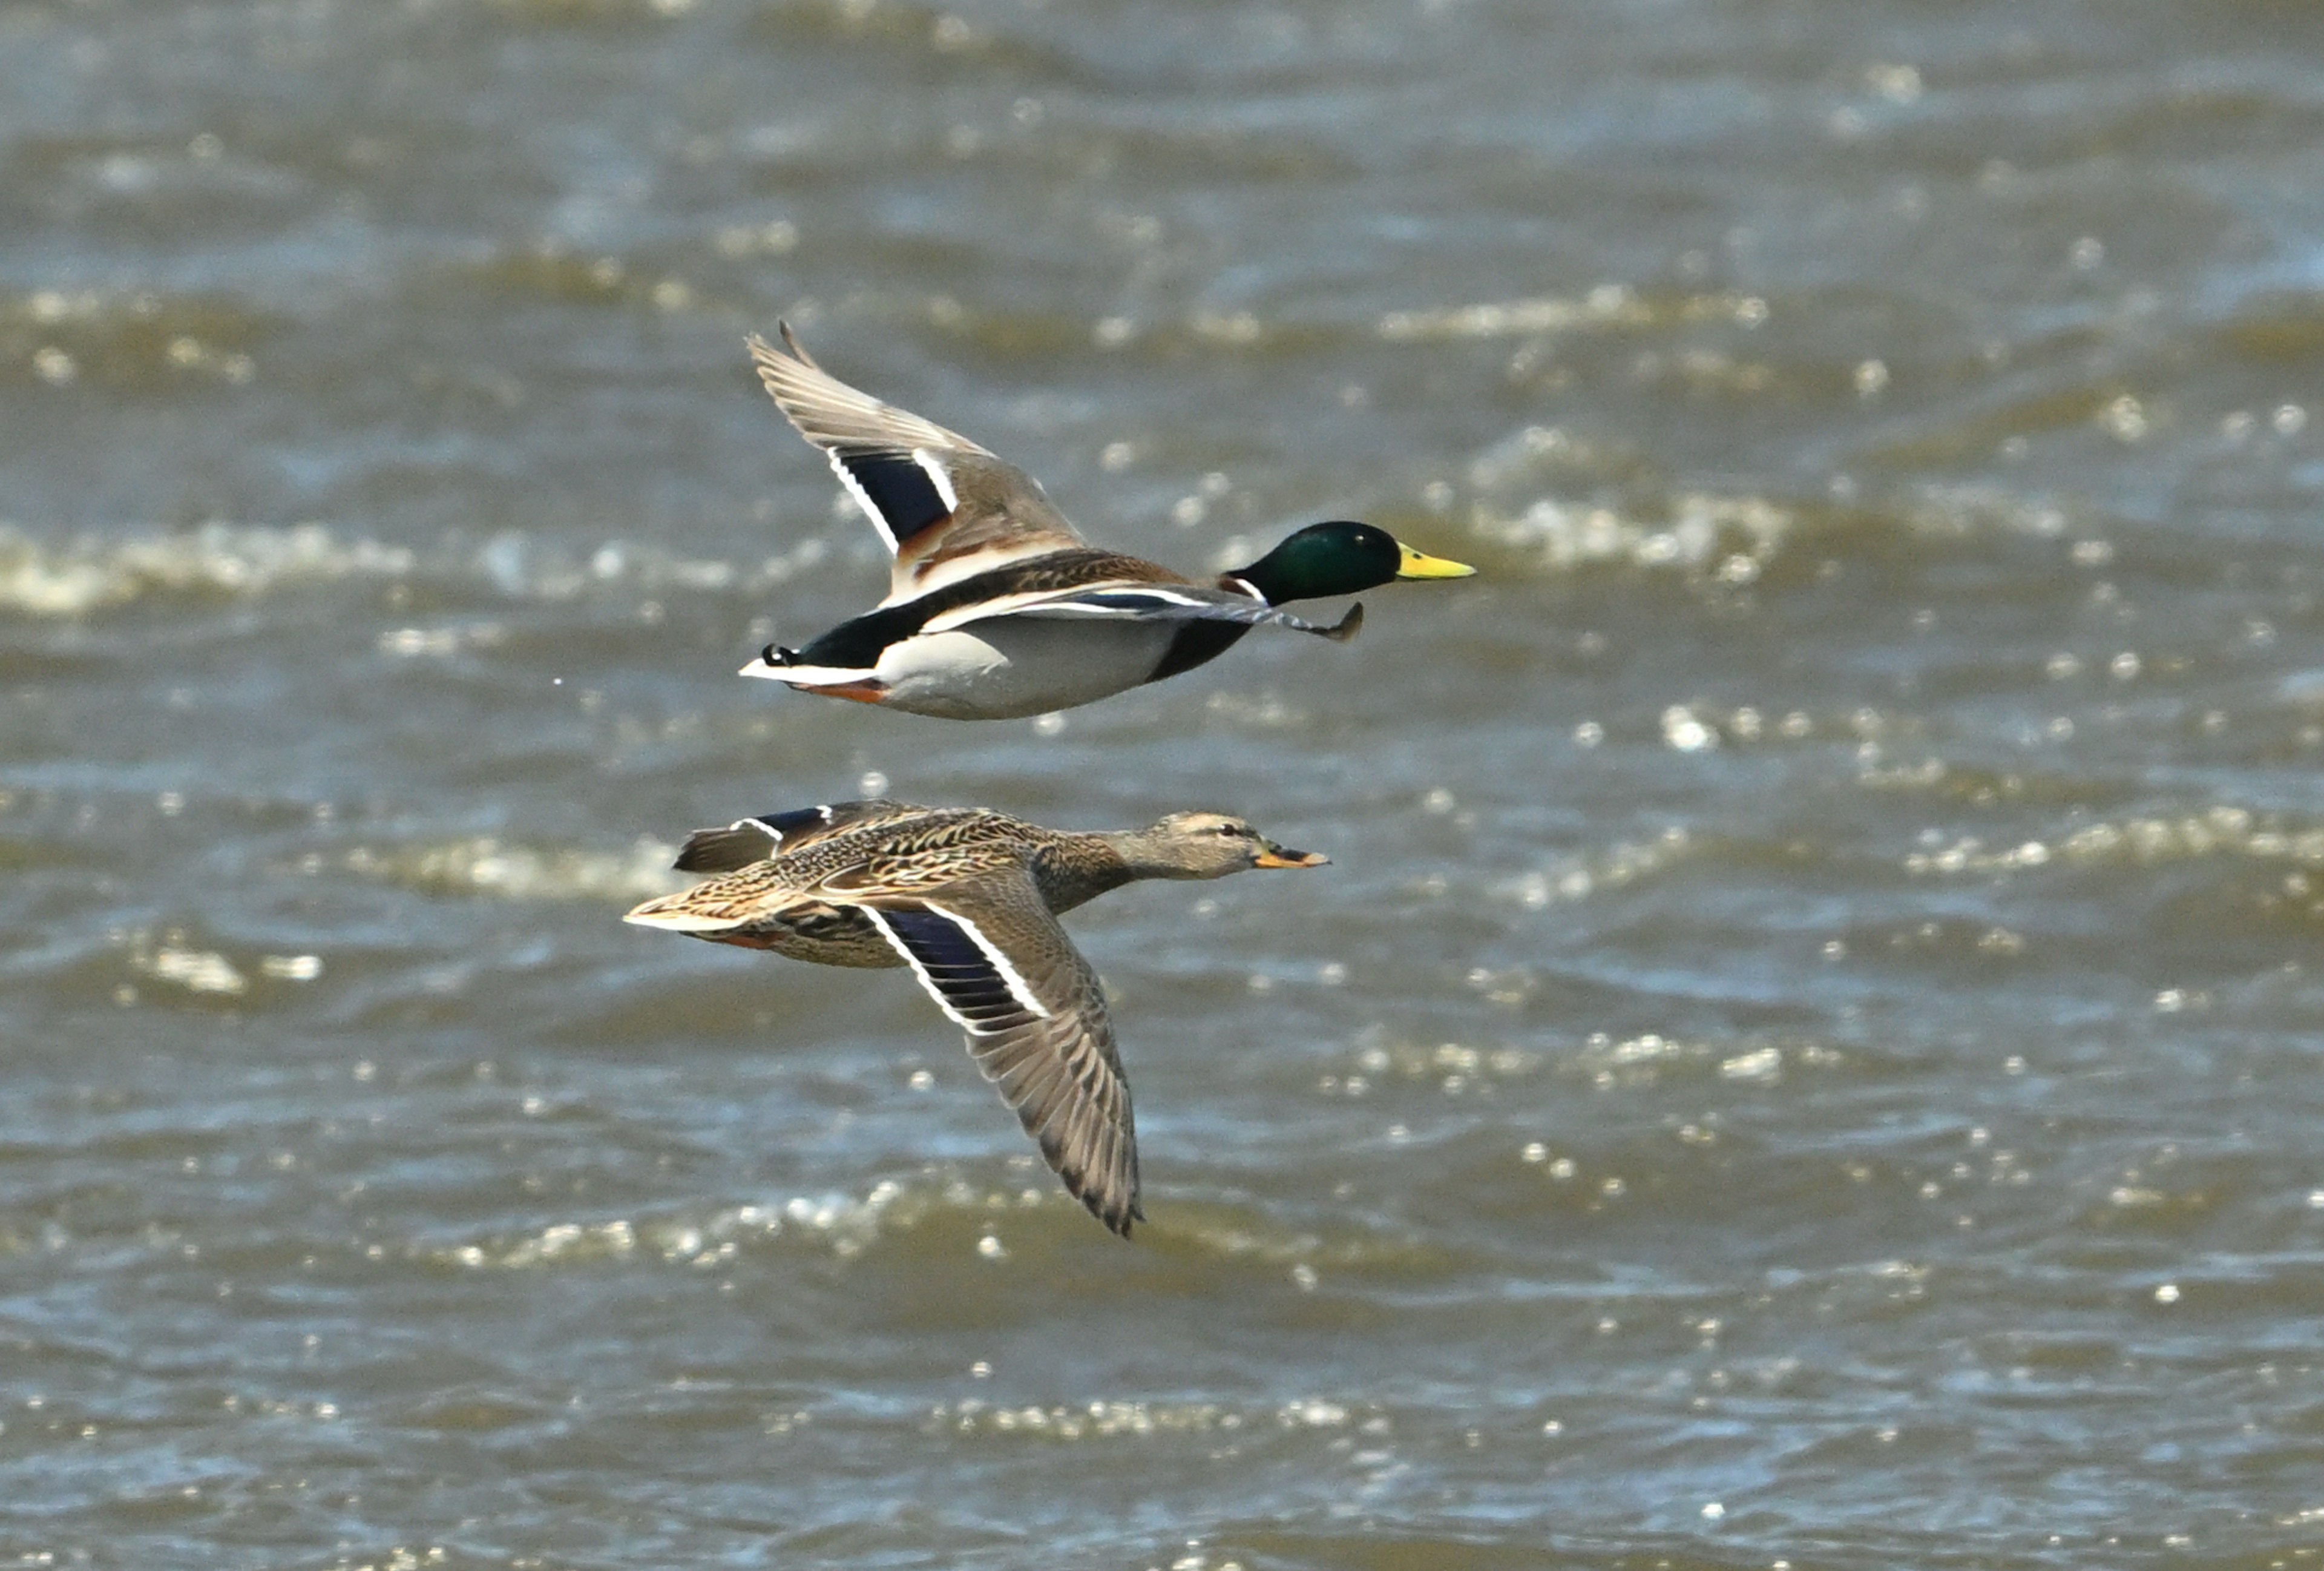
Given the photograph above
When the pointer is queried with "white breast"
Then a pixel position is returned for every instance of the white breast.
(1004, 666)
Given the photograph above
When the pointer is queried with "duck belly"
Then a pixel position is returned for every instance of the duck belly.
(1005, 667)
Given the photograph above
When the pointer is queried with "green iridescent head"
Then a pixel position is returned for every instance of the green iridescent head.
(1339, 557)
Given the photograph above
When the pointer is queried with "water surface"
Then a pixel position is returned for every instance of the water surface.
(1805, 1055)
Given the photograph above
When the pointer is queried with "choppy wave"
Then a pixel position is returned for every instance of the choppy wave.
(1644, 1058)
(140, 339)
(1610, 305)
(482, 865)
(1734, 538)
(91, 573)
(2219, 831)
(1720, 1197)
(1583, 875)
(843, 1225)
(940, 1210)
(530, 567)
(175, 958)
(1518, 491)
(1107, 1418)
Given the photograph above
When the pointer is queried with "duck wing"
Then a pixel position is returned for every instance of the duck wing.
(946, 506)
(1124, 601)
(994, 959)
(768, 834)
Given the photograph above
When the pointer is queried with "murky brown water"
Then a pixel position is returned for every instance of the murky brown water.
(1807, 1053)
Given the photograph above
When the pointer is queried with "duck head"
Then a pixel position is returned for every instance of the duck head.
(1206, 845)
(1339, 557)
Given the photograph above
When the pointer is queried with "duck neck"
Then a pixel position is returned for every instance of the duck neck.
(1305, 566)
(1084, 867)
(1257, 580)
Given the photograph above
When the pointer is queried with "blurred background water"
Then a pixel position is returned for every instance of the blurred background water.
(1806, 1055)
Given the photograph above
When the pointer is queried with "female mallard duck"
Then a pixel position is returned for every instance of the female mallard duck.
(996, 607)
(969, 898)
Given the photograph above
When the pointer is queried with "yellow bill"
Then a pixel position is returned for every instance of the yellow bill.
(1415, 565)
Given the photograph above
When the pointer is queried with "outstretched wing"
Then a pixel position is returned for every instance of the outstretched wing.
(756, 839)
(1149, 603)
(944, 506)
(996, 962)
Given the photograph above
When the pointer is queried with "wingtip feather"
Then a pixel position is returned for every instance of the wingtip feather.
(652, 915)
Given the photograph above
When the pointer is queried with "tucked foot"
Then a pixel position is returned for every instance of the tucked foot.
(869, 690)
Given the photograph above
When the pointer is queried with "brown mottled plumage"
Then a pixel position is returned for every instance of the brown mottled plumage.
(969, 898)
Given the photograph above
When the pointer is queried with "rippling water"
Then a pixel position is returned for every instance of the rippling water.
(1806, 1055)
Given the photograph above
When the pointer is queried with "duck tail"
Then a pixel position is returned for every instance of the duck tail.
(675, 913)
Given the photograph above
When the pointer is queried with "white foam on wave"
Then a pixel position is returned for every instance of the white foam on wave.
(844, 1225)
(1966, 509)
(1732, 538)
(1607, 305)
(1515, 482)
(174, 957)
(1580, 875)
(90, 573)
(530, 567)
(195, 970)
(1105, 1418)
(94, 572)
(2219, 831)
(485, 865)
(1610, 305)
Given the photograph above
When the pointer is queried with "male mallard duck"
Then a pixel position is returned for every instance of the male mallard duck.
(996, 607)
(969, 898)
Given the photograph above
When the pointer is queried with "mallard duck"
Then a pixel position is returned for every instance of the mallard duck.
(969, 898)
(996, 607)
